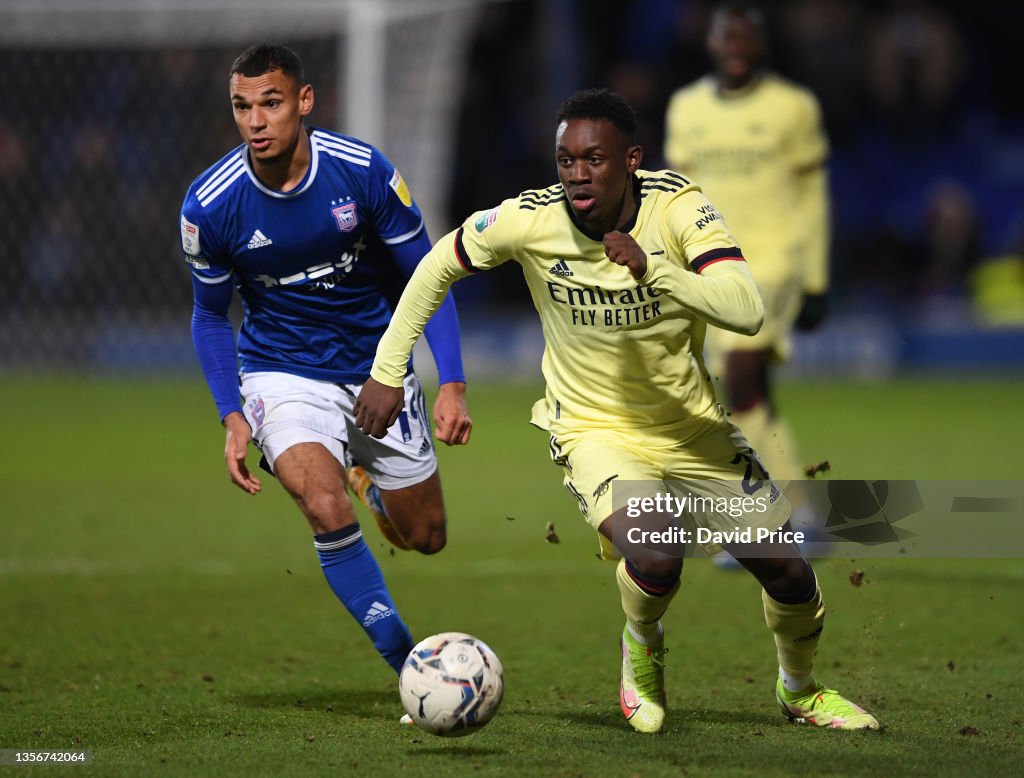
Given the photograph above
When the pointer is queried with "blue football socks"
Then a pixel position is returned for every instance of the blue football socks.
(356, 579)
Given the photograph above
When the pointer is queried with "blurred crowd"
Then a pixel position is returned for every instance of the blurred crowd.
(97, 146)
(97, 149)
(925, 123)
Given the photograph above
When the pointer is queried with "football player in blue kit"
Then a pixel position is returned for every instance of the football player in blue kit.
(318, 233)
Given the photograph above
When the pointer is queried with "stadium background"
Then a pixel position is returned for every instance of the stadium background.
(113, 108)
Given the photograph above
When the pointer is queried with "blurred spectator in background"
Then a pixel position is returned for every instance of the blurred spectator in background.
(14, 178)
(57, 248)
(915, 67)
(951, 238)
(822, 45)
(754, 142)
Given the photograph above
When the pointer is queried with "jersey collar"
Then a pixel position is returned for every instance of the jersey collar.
(734, 94)
(635, 181)
(303, 185)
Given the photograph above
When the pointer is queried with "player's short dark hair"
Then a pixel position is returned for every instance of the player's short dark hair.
(749, 11)
(265, 57)
(600, 104)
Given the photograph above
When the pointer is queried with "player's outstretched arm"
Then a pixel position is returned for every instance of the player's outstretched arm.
(422, 296)
(452, 424)
(380, 400)
(236, 446)
(442, 331)
(377, 407)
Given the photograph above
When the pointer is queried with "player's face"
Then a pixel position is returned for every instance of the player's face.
(736, 46)
(268, 111)
(595, 162)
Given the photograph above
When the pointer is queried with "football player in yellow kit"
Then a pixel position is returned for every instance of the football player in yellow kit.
(626, 268)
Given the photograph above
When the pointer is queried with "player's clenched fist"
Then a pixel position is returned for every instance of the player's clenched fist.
(623, 250)
(377, 407)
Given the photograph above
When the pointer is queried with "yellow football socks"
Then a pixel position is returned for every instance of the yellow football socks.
(797, 629)
(643, 609)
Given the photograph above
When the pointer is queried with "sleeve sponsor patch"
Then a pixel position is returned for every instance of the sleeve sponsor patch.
(190, 238)
(485, 220)
(708, 213)
(398, 184)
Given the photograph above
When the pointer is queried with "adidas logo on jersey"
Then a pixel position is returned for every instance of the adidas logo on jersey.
(377, 612)
(258, 239)
(560, 268)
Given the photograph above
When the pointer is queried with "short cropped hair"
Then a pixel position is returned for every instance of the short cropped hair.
(749, 11)
(600, 104)
(265, 57)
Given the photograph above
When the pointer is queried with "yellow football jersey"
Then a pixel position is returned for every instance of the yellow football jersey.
(618, 351)
(759, 153)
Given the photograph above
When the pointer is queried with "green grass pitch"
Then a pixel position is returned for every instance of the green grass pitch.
(153, 613)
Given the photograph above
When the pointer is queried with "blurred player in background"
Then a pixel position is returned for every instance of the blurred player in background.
(318, 232)
(755, 143)
(626, 267)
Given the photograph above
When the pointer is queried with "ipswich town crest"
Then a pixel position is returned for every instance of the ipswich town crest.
(345, 217)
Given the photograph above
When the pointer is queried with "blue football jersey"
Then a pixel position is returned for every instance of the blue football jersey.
(312, 265)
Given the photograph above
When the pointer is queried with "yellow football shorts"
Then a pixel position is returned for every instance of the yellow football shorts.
(712, 460)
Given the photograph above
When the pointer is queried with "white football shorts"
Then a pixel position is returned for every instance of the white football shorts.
(285, 409)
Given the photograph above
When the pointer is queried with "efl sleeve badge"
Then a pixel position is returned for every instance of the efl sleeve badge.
(398, 184)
